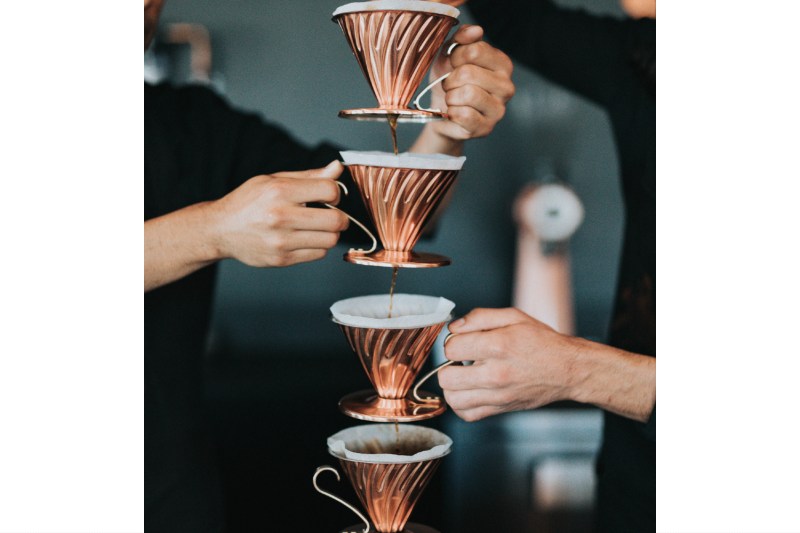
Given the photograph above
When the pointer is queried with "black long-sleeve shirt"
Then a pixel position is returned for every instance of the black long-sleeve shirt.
(597, 57)
(197, 148)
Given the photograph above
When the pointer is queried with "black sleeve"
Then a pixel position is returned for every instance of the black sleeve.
(649, 428)
(580, 51)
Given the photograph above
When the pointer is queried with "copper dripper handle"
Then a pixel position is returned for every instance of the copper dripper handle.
(359, 224)
(415, 392)
(433, 84)
(338, 499)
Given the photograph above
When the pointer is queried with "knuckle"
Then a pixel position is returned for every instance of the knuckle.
(471, 92)
(281, 261)
(276, 217)
(509, 91)
(469, 416)
(279, 242)
(472, 52)
(458, 114)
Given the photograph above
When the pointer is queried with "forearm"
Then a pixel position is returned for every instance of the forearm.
(177, 244)
(621, 382)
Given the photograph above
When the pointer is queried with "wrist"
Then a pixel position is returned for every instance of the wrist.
(211, 230)
(614, 380)
(431, 141)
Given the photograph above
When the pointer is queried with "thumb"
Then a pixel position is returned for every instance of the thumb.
(331, 171)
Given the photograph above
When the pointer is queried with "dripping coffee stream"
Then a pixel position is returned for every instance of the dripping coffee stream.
(393, 127)
(395, 270)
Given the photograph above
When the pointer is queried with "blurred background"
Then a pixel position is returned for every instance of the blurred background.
(277, 365)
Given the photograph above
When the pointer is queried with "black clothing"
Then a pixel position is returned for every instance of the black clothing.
(610, 62)
(197, 148)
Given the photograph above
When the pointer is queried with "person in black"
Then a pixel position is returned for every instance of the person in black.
(221, 183)
(522, 363)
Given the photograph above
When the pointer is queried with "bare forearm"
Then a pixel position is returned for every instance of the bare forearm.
(177, 244)
(615, 380)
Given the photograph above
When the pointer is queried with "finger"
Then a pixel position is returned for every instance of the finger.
(312, 240)
(301, 191)
(474, 399)
(477, 346)
(492, 82)
(459, 378)
(331, 171)
(303, 256)
(468, 118)
(482, 54)
(312, 218)
(467, 34)
(483, 319)
(478, 99)
(479, 413)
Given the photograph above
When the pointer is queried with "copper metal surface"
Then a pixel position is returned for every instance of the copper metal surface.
(389, 492)
(375, 114)
(367, 405)
(394, 50)
(392, 358)
(386, 258)
(400, 201)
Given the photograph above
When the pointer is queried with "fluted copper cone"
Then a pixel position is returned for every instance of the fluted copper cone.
(401, 200)
(389, 492)
(394, 49)
(392, 358)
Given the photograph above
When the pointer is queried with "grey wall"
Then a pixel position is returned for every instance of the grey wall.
(289, 61)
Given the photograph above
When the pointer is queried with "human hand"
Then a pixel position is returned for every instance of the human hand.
(265, 222)
(519, 363)
(475, 94)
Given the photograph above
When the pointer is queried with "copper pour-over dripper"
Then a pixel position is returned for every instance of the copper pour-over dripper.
(395, 43)
(392, 352)
(389, 467)
(400, 193)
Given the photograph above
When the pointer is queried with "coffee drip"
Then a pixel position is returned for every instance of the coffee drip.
(395, 270)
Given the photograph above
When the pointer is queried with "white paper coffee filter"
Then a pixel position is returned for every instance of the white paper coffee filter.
(398, 5)
(365, 443)
(408, 311)
(403, 160)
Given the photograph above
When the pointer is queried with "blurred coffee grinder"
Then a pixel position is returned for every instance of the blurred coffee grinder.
(547, 213)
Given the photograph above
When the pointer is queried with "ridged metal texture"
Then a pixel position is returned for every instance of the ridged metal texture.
(392, 358)
(389, 492)
(395, 49)
(401, 200)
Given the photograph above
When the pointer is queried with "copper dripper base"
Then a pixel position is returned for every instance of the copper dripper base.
(377, 114)
(387, 258)
(367, 405)
(410, 528)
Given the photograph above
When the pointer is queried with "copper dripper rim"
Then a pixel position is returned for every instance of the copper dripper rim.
(434, 8)
(368, 406)
(342, 444)
(414, 311)
(390, 259)
(406, 115)
(403, 160)
(340, 323)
